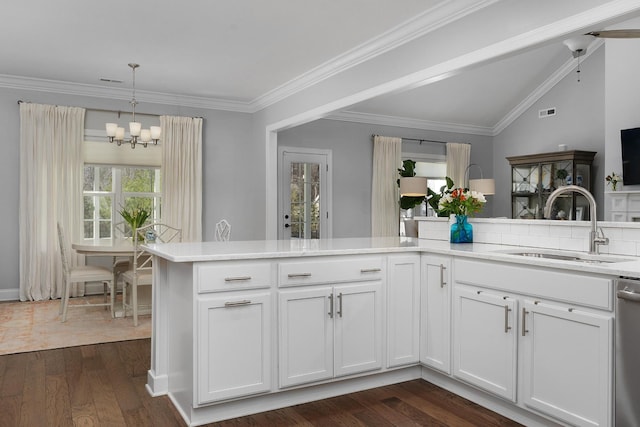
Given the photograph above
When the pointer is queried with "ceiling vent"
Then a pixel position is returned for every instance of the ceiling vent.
(547, 112)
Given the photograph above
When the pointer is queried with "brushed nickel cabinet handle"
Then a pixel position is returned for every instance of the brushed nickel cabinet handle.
(506, 319)
(442, 269)
(330, 305)
(340, 304)
(370, 270)
(294, 275)
(524, 321)
(237, 279)
(237, 303)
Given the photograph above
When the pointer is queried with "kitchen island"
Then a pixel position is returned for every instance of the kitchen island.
(244, 327)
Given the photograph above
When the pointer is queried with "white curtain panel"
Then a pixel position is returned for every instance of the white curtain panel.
(182, 175)
(385, 196)
(51, 177)
(458, 157)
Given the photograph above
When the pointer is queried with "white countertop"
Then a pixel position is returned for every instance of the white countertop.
(266, 249)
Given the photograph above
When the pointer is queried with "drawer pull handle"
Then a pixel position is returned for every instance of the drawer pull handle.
(370, 270)
(330, 305)
(442, 269)
(524, 319)
(506, 319)
(237, 279)
(340, 304)
(237, 303)
(294, 275)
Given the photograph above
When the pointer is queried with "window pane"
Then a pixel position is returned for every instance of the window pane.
(88, 207)
(88, 229)
(89, 176)
(145, 203)
(136, 180)
(106, 178)
(105, 207)
(105, 229)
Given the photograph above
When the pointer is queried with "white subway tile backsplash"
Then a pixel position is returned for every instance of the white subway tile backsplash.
(624, 238)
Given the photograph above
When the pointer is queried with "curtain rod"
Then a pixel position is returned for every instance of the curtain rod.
(20, 101)
(421, 140)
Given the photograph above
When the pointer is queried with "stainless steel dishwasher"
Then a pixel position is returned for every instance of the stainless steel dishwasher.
(627, 353)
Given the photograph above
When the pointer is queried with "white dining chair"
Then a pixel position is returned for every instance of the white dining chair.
(223, 231)
(141, 272)
(82, 274)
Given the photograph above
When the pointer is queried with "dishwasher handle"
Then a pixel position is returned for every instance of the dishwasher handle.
(628, 295)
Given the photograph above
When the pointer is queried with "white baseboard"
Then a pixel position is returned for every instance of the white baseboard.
(10, 294)
(92, 288)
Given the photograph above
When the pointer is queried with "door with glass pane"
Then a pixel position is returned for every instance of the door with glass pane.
(304, 207)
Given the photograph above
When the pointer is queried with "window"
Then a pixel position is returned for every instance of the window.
(108, 189)
(434, 168)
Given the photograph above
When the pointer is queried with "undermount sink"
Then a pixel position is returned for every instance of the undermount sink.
(575, 257)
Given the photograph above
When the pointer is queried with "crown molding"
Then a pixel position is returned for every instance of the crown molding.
(545, 87)
(404, 122)
(428, 21)
(68, 88)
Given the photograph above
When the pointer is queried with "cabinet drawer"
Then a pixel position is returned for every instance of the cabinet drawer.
(233, 276)
(333, 270)
(573, 288)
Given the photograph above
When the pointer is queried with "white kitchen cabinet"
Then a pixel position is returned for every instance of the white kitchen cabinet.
(563, 331)
(329, 331)
(435, 312)
(567, 362)
(233, 346)
(485, 340)
(403, 309)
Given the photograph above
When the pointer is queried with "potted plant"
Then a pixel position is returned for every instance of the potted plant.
(409, 170)
(462, 202)
(136, 218)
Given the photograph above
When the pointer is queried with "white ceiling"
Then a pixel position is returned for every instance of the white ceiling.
(243, 50)
(232, 49)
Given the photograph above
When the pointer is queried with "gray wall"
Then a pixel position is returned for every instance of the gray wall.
(352, 150)
(232, 169)
(579, 123)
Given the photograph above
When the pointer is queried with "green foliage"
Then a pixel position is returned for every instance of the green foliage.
(135, 218)
(409, 170)
(434, 198)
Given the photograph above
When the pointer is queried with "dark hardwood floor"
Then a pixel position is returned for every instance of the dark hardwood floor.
(103, 385)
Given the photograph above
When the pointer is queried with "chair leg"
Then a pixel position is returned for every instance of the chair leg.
(134, 301)
(105, 285)
(67, 290)
(113, 299)
(64, 291)
(124, 298)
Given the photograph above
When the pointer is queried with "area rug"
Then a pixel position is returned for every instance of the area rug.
(33, 326)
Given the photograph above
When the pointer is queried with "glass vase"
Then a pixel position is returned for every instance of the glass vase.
(461, 230)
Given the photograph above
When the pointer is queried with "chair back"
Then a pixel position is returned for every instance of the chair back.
(223, 231)
(151, 233)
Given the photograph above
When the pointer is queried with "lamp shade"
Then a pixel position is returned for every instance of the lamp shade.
(413, 186)
(486, 186)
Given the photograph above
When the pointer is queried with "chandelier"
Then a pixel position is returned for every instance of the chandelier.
(138, 135)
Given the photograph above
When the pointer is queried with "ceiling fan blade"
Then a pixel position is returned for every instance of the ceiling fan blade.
(616, 34)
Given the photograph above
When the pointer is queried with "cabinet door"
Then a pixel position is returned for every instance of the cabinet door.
(306, 335)
(403, 310)
(435, 302)
(234, 346)
(567, 363)
(485, 341)
(358, 328)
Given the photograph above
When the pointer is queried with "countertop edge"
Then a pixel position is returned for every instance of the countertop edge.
(481, 251)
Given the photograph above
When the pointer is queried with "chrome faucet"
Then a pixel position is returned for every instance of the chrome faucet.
(595, 239)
